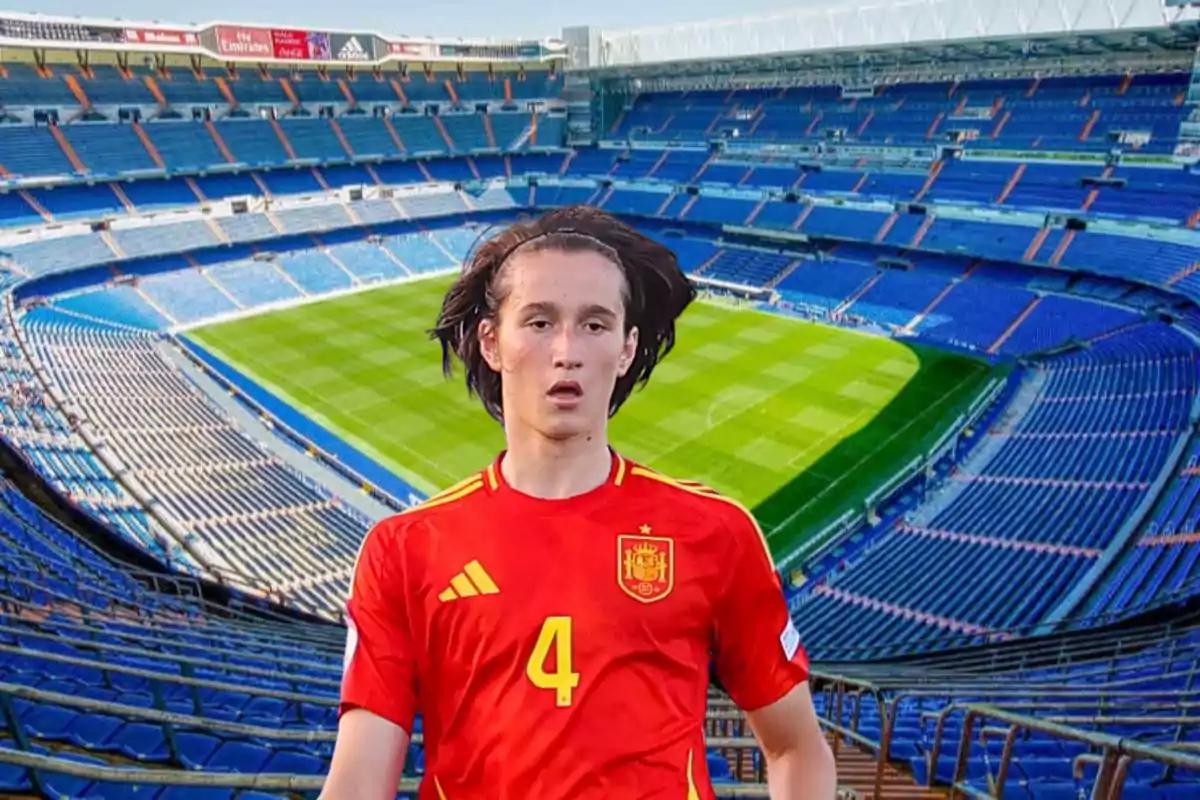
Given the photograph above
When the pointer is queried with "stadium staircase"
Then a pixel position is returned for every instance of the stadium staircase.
(155, 91)
(35, 205)
(858, 770)
(934, 171)
(151, 150)
(452, 93)
(491, 135)
(73, 84)
(922, 232)
(445, 134)
(122, 197)
(220, 142)
(289, 92)
(283, 138)
(1061, 250)
(845, 306)
(1012, 184)
(1186, 272)
(924, 313)
(886, 227)
(341, 135)
(1016, 323)
(226, 92)
(391, 129)
(1035, 246)
(400, 93)
(347, 93)
(802, 217)
(68, 150)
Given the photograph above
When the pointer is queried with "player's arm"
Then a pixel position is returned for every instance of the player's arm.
(368, 758)
(379, 695)
(799, 762)
(761, 663)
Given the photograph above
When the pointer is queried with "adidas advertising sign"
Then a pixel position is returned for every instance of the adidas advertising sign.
(352, 47)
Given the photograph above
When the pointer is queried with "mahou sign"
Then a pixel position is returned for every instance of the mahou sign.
(244, 42)
(164, 37)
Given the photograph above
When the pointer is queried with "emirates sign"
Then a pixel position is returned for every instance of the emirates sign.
(244, 42)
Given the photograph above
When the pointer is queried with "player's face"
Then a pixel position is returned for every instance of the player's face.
(559, 342)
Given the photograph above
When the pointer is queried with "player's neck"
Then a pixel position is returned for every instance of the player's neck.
(556, 469)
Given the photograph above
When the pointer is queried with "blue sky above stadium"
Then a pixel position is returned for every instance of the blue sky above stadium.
(434, 17)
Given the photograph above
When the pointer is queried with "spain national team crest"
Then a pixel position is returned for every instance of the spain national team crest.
(646, 566)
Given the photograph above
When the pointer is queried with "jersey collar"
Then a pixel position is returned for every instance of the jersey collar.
(493, 479)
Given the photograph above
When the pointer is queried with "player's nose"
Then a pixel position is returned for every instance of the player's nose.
(567, 349)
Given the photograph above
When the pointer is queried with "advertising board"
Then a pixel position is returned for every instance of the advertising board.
(352, 47)
(416, 49)
(243, 42)
(300, 45)
(168, 38)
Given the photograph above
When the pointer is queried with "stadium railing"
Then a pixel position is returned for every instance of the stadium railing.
(112, 609)
(1114, 755)
(170, 777)
(294, 783)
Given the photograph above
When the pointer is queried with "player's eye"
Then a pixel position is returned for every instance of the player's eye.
(595, 326)
(539, 324)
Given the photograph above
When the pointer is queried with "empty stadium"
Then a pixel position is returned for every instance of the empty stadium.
(947, 351)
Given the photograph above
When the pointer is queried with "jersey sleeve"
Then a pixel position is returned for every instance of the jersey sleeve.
(757, 649)
(379, 670)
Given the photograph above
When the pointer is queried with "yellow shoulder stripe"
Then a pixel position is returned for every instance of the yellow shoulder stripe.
(460, 485)
(621, 468)
(455, 493)
(691, 487)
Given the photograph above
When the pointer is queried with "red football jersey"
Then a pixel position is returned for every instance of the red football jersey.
(561, 648)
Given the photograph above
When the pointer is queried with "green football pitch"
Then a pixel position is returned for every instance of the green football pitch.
(796, 420)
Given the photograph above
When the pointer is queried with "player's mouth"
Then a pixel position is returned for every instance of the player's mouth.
(566, 394)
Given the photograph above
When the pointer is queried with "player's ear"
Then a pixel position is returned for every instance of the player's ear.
(488, 346)
(628, 352)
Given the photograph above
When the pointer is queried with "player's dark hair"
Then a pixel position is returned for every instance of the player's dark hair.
(656, 292)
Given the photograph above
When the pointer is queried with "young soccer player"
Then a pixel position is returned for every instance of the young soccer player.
(554, 616)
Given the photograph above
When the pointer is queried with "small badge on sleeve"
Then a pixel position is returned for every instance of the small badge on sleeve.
(351, 644)
(790, 640)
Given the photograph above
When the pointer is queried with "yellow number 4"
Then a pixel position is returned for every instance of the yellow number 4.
(556, 632)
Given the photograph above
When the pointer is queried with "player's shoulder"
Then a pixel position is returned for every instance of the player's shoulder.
(463, 497)
(690, 494)
(705, 508)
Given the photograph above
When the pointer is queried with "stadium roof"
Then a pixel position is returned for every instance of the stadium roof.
(896, 32)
